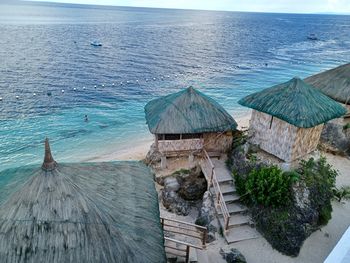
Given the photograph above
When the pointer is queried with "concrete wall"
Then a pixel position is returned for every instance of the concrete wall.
(282, 139)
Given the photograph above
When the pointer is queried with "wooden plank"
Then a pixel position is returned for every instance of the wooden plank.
(185, 223)
(182, 243)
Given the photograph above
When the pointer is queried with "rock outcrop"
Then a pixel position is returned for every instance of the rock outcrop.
(181, 189)
(232, 255)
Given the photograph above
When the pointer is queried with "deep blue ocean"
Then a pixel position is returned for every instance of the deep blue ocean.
(145, 53)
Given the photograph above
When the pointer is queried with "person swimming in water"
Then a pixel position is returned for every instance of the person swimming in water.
(86, 118)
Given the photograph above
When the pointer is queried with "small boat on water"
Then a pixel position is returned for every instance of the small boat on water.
(312, 37)
(96, 44)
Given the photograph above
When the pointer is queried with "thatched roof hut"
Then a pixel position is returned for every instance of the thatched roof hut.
(295, 102)
(188, 111)
(90, 212)
(188, 114)
(287, 119)
(335, 83)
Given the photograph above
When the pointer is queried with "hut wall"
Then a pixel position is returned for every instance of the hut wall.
(306, 141)
(282, 139)
(165, 146)
(277, 139)
(217, 142)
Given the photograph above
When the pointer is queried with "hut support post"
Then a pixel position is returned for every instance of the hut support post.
(156, 141)
(163, 162)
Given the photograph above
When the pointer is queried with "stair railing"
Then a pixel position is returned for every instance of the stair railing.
(213, 181)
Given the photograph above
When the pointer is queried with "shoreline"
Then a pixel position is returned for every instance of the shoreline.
(139, 152)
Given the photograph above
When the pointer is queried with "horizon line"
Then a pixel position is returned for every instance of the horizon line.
(186, 9)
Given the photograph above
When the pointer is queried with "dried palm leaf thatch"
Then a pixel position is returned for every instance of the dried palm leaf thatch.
(90, 212)
(335, 83)
(187, 111)
(295, 102)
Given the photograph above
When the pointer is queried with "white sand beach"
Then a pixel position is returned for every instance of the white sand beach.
(139, 151)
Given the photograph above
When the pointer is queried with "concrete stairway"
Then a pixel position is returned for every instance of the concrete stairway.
(240, 226)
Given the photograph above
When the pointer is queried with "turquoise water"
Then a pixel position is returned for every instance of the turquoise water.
(146, 53)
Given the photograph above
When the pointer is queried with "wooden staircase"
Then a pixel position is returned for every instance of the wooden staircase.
(231, 213)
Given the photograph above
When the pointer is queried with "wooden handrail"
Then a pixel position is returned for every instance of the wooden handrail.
(198, 232)
(185, 223)
(182, 243)
(217, 191)
(187, 250)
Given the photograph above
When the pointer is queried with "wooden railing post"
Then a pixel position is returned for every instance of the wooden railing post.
(227, 223)
(187, 254)
(162, 222)
(204, 241)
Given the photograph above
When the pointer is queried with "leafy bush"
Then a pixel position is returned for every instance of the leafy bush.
(346, 126)
(320, 178)
(342, 193)
(269, 186)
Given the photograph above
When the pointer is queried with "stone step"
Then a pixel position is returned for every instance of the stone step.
(235, 220)
(223, 177)
(193, 255)
(240, 233)
(226, 188)
(234, 208)
(202, 256)
(230, 198)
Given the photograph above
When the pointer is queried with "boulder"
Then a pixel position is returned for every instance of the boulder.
(171, 184)
(335, 139)
(175, 204)
(206, 213)
(193, 185)
(232, 255)
(153, 156)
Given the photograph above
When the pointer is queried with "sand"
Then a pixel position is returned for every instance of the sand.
(315, 248)
(139, 151)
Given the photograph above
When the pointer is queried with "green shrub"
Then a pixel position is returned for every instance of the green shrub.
(269, 186)
(342, 193)
(320, 178)
(346, 126)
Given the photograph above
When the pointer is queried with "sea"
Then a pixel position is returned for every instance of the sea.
(51, 76)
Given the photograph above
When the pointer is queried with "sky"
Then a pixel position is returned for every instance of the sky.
(284, 6)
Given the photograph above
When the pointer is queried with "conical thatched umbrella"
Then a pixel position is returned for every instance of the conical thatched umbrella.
(106, 212)
(335, 83)
(287, 119)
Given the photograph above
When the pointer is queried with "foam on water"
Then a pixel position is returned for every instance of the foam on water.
(146, 53)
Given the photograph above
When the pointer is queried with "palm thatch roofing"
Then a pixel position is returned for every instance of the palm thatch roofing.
(335, 83)
(295, 102)
(89, 212)
(188, 111)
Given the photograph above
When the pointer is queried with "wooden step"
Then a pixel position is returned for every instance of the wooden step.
(240, 233)
(234, 208)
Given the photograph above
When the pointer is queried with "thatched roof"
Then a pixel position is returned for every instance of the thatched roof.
(187, 111)
(335, 83)
(91, 212)
(296, 103)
